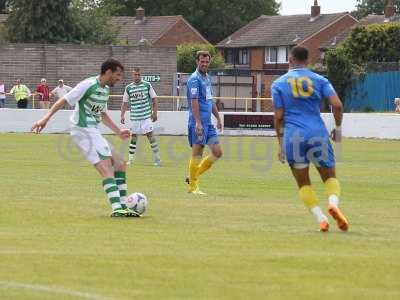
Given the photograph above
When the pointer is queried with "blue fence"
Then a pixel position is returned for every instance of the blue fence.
(375, 92)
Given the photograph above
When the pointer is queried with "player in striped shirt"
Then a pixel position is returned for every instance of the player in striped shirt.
(141, 98)
(90, 100)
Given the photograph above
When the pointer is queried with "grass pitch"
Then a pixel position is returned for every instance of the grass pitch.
(250, 238)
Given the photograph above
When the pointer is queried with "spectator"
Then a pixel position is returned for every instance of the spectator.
(397, 104)
(21, 94)
(44, 94)
(2, 94)
(60, 90)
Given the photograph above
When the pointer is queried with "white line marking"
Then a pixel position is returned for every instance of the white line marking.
(51, 290)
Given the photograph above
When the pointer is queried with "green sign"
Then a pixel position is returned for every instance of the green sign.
(151, 78)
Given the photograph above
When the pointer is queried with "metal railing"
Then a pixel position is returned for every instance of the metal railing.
(178, 100)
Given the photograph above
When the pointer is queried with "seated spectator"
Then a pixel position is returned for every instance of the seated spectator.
(397, 104)
(2, 94)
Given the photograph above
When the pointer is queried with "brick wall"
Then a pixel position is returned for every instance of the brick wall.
(73, 63)
(267, 81)
(180, 33)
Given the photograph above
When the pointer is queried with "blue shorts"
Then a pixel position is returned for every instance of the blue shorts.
(209, 137)
(300, 150)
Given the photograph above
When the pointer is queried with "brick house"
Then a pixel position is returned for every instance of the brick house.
(155, 31)
(389, 16)
(264, 43)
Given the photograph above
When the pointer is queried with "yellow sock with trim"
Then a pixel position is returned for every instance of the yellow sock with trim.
(193, 170)
(206, 163)
(310, 200)
(308, 196)
(333, 190)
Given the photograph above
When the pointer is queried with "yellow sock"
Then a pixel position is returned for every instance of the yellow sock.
(193, 169)
(205, 164)
(332, 187)
(308, 196)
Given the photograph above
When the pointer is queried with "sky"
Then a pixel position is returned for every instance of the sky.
(291, 7)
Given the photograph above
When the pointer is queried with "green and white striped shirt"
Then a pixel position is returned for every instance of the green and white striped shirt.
(90, 100)
(140, 95)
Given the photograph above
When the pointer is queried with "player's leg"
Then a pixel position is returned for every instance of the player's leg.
(296, 147)
(119, 165)
(105, 169)
(308, 195)
(197, 143)
(322, 155)
(216, 151)
(333, 190)
(194, 163)
(132, 148)
(154, 147)
(98, 152)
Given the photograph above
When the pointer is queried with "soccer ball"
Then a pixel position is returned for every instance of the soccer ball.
(137, 202)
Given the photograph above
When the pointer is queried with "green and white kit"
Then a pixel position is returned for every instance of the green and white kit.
(90, 100)
(140, 97)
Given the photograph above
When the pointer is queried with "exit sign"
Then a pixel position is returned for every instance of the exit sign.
(151, 78)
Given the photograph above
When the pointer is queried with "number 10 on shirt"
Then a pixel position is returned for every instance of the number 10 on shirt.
(298, 84)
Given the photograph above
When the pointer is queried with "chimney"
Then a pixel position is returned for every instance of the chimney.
(315, 10)
(390, 10)
(139, 14)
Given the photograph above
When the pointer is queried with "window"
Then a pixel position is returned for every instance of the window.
(237, 56)
(276, 55)
(243, 57)
(229, 55)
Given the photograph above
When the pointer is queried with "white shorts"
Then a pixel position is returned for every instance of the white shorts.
(142, 126)
(91, 143)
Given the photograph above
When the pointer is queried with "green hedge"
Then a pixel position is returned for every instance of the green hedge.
(186, 54)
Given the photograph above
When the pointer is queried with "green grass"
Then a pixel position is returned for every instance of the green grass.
(251, 238)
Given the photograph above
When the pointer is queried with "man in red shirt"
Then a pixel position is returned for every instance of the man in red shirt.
(44, 94)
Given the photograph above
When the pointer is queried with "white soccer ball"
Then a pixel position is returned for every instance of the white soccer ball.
(137, 202)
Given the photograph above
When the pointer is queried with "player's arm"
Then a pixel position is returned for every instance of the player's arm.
(40, 124)
(279, 121)
(154, 115)
(337, 110)
(215, 112)
(154, 101)
(124, 106)
(279, 126)
(194, 88)
(122, 133)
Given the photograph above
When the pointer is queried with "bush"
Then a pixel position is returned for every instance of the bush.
(186, 55)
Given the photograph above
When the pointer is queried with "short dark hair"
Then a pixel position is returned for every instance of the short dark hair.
(202, 53)
(299, 53)
(111, 64)
(135, 69)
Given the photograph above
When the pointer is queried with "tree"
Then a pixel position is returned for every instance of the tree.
(2, 6)
(366, 7)
(376, 43)
(48, 21)
(38, 21)
(186, 56)
(215, 19)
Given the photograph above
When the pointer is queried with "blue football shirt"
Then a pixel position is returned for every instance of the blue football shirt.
(300, 93)
(199, 87)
